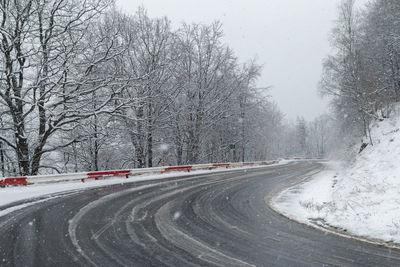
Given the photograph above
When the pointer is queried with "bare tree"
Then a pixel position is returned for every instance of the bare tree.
(48, 72)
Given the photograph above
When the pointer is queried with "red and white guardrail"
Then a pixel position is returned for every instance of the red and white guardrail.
(53, 178)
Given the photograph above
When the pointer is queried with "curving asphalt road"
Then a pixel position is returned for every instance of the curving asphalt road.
(218, 219)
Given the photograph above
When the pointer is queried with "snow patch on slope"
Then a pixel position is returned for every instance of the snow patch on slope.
(363, 199)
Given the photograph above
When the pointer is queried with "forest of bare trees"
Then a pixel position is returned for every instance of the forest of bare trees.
(362, 77)
(84, 86)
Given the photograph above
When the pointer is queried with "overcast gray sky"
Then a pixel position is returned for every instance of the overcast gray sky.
(289, 37)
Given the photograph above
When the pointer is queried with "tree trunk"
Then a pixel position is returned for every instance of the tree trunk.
(149, 136)
(140, 157)
(2, 159)
(96, 149)
(22, 148)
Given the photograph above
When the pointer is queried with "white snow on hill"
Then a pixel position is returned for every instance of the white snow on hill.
(362, 199)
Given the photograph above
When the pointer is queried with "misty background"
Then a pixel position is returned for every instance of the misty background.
(289, 38)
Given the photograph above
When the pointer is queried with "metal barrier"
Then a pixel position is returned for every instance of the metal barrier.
(15, 181)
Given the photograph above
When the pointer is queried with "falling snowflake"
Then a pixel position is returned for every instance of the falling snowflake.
(177, 215)
(164, 147)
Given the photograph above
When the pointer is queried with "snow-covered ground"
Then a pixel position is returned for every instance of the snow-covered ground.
(362, 199)
(9, 195)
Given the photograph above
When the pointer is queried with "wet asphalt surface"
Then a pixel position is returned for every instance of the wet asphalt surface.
(216, 219)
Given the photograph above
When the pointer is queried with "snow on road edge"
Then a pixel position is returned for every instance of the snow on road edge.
(362, 199)
(9, 195)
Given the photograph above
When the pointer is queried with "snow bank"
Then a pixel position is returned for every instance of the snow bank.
(363, 199)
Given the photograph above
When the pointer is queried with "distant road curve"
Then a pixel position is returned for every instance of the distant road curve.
(216, 219)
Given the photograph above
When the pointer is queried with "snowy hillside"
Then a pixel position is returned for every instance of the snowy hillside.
(363, 199)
